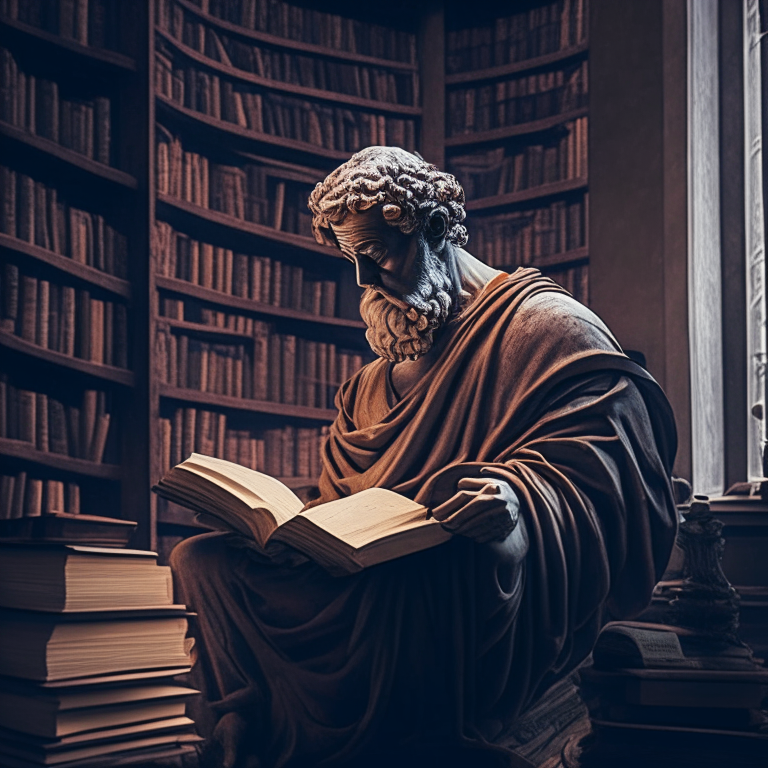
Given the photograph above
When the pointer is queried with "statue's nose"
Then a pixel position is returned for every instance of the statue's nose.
(367, 274)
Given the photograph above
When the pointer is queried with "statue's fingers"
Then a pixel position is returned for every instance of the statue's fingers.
(456, 502)
(477, 506)
(480, 484)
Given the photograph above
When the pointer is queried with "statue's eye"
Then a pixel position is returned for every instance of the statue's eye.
(376, 252)
(436, 226)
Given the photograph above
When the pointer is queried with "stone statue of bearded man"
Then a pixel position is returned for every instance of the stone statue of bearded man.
(497, 400)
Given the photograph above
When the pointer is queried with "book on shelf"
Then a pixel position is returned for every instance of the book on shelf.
(53, 714)
(25, 496)
(505, 170)
(344, 535)
(77, 429)
(284, 451)
(538, 31)
(517, 100)
(88, 22)
(38, 646)
(319, 123)
(275, 367)
(34, 104)
(39, 214)
(67, 528)
(63, 318)
(306, 25)
(259, 278)
(63, 578)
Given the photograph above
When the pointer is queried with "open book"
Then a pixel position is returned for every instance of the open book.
(344, 536)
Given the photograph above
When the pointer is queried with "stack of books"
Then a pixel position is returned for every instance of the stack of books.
(90, 641)
(654, 701)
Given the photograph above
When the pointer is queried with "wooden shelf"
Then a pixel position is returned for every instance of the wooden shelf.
(96, 56)
(223, 131)
(280, 85)
(241, 404)
(68, 156)
(572, 258)
(172, 207)
(525, 195)
(105, 372)
(508, 131)
(503, 70)
(82, 272)
(185, 288)
(19, 449)
(297, 45)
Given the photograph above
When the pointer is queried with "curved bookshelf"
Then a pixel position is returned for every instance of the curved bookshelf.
(106, 282)
(96, 56)
(19, 449)
(280, 85)
(68, 156)
(285, 42)
(169, 392)
(220, 130)
(175, 285)
(172, 207)
(524, 195)
(105, 372)
(503, 70)
(520, 129)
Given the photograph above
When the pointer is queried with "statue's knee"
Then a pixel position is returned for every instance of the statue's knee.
(197, 555)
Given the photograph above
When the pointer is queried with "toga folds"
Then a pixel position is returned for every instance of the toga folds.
(448, 646)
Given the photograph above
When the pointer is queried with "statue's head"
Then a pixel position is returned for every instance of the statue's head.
(399, 219)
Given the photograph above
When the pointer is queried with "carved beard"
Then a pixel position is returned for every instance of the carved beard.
(404, 330)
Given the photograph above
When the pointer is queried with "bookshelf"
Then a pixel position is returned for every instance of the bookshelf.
(255, 324)
(516, 135)
(154, 173)
(72, 91)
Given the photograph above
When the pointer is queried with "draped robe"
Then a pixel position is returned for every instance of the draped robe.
(448, 646)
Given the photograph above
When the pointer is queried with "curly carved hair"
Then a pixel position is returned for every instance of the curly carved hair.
(407, 187)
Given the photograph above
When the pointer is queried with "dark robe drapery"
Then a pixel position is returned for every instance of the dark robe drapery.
(450, 645)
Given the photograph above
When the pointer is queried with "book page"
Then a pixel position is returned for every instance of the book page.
(254, 489)
(364, 517)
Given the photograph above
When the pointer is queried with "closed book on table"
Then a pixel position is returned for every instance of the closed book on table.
(52, 713)
(63, 578)
(36, 646)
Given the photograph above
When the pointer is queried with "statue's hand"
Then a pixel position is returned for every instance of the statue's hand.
(484, 510)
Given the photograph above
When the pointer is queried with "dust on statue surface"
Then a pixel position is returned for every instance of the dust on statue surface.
(496, 398)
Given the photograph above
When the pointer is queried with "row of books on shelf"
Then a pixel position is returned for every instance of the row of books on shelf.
(78, 430)
(265, 112)
(249, 192)
(25, 496)
(537, 31)
(63, 318)
(305, 25)
(276, 367)
(287, 66)
(520, 237)
(286, 451)
(503, 170)
(88, 22)
(34, 105)
(265, 280)
(36, 213)
(516, 100)
(575, 280)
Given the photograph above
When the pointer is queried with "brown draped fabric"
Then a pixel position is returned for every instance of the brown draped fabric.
(449, 646)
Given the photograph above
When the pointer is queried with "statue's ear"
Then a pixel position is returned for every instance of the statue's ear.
(437, 229)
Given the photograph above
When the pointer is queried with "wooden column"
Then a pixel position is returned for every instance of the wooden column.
(431, 46)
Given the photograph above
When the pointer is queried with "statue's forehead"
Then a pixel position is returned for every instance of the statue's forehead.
(359, 227)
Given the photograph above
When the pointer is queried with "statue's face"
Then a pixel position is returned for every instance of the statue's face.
(409, 293)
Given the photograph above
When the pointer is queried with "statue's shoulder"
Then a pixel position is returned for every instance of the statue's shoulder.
(556, 317)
